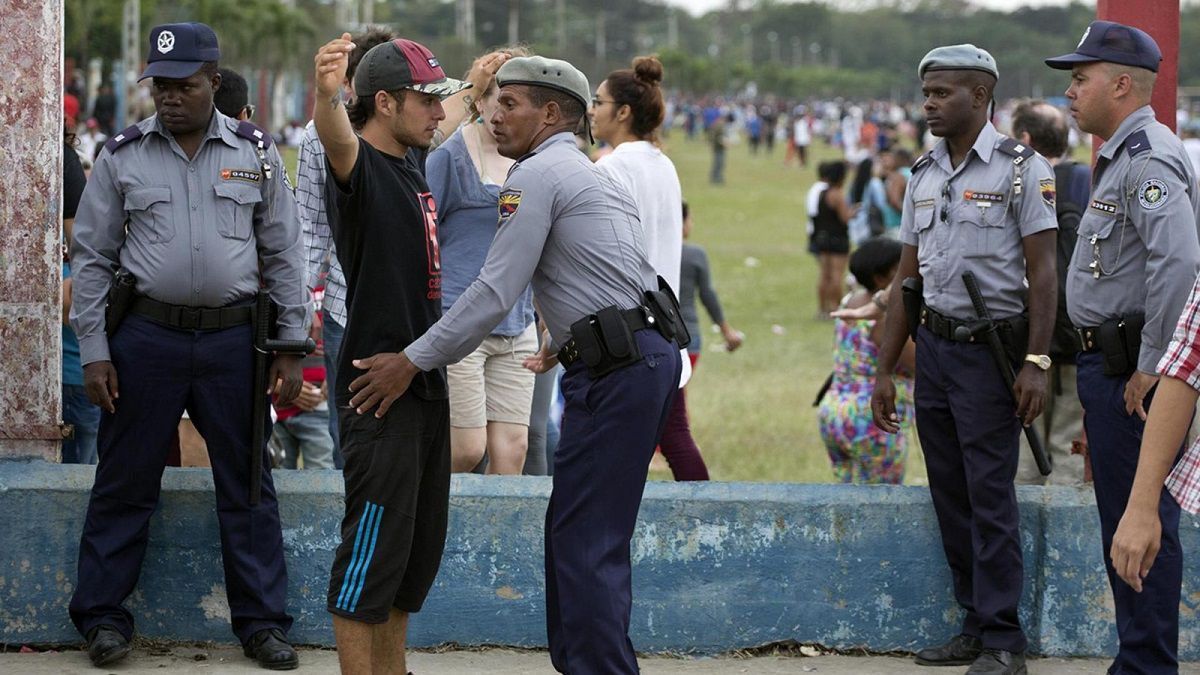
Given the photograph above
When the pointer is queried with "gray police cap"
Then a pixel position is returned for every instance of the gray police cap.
(958, 57)
(540, 71)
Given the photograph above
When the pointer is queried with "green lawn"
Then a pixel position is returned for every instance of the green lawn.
(751, 410)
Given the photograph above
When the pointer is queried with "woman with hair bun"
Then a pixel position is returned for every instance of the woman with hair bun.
(626, 113)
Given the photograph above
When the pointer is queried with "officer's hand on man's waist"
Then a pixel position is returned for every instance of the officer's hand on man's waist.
(1030, 391)
(100, 382)
(387, 378)
(1136, 388)
(286, 378)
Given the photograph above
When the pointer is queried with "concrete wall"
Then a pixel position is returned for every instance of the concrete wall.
(717, 566)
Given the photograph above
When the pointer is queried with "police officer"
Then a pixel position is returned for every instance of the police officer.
(983, 203)
(193, 204)
(1134, 264)
(565, 225)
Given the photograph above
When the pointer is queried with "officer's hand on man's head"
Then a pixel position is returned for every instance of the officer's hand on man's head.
(100, 382)
(1030, 391)
(483, 71)
(331, 63)
(286, 378)
(387, 378)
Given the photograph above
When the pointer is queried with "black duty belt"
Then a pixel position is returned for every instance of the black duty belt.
(191, 318)
(944, 326)
(635, 318)
(1088, 338)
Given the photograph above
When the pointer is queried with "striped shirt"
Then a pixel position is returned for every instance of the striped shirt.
(1182, 362)
(321, 255)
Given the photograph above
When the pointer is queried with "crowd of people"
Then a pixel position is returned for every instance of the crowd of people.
(448, 244)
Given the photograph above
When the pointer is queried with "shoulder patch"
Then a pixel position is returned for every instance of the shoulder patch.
(922, 162)
(1137, 143)
(132, 133)
(1046, 187)
(510, 199)
(1018, 151)
(254, 134)
(1152, 194)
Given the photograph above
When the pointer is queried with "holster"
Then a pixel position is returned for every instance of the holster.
(664, 306)
(120, 299)
(605, 342)
(1014, 335)
(911, 290)
(1120, 342)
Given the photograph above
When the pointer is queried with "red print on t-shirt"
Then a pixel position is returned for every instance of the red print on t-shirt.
(433, 251)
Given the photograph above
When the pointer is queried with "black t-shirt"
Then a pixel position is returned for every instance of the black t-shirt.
(384, 222)
(73, 180)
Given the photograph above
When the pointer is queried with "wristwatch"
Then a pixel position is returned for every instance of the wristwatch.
(1040, 360)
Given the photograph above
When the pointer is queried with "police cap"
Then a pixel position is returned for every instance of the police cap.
(539, 71)
(1114, 43)
(177, 50)
(958, 57)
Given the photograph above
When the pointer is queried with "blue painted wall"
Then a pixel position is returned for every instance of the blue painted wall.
(717, 566)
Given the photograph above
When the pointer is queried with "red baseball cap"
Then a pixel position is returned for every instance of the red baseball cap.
(403, 64)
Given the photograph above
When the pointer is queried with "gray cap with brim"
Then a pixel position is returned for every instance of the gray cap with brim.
(539, 71)
(958, 57)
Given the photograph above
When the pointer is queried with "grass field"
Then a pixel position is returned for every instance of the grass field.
(751, 411)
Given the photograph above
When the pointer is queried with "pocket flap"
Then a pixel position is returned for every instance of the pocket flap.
(140, 199)
(242, 194)
(1098, 227)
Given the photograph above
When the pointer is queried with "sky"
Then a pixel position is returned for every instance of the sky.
(698, 7)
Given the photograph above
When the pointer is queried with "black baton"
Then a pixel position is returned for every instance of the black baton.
(1002, 362)
(264, 346)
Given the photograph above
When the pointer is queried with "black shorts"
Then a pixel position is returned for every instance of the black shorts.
(397, 498)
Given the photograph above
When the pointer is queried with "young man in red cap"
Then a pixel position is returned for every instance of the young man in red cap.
(384, 223)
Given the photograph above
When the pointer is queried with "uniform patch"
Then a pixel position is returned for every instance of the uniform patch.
(1152, 194)
(923, 203)
(1107, 208)
(1046, 187)
(991, 197)
(241, 174)
(509, 201)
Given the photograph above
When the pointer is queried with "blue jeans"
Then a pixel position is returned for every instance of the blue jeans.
(307, 435)
(79, 412)
(331, 334)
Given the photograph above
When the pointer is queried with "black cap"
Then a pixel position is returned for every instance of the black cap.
(1113, 43)
(177, 50)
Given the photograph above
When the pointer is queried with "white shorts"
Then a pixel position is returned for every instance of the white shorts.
(491, 385)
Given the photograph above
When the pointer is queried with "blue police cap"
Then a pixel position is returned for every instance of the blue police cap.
(1114, 43)
(177, 50)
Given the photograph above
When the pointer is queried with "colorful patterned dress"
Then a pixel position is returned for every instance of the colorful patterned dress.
(860, 451)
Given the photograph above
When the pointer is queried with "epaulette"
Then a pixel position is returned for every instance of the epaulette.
(922, 162)
(1137, 143)
(132, 133)
(261, 140)
(1015, 149)
(254, 133)
(519, 160)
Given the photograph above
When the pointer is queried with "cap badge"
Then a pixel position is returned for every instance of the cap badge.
(1084, 38)
(166, 41)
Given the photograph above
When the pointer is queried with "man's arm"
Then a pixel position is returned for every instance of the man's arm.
(895, 336)
(329, 113)
(98, 236)
(1029, 389)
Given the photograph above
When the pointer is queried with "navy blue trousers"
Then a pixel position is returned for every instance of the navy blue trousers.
(969, 431)
(160, 372)
(609, 431)
(1147, 622)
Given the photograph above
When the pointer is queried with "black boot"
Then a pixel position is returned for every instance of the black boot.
(271, 649)
(961, 650)
(998, 662)
(106, 645)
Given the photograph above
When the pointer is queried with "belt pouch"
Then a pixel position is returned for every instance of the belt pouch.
(587, 341)
(616, 337)
(664, 306)
(1111, 340)
(911, 293)
(1014, 334)
(1131, 335)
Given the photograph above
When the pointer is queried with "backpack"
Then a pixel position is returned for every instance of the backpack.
(1073, 181)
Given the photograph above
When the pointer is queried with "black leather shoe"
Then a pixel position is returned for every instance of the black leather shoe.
(961, 650)
(998, 662)
(270, 648)
(106, 645)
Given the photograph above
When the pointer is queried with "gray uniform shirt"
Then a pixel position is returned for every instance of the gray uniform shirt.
(969, 218)
(193, 232)
(1137, 249)
(570, 228)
